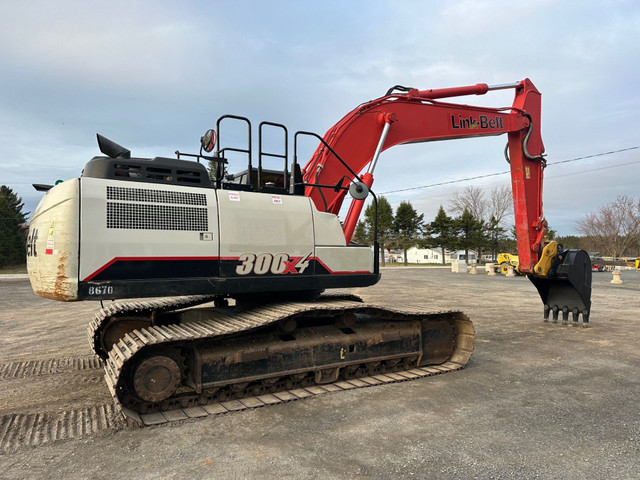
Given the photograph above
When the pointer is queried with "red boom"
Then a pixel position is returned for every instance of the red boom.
(417, 117)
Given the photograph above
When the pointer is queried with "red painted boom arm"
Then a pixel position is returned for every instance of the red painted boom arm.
(417, 117)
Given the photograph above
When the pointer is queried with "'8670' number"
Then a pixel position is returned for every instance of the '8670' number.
(101, 290)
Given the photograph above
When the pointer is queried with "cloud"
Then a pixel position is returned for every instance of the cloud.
(116, 45)
(154, 75)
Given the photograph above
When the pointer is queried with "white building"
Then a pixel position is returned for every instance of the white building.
(434, 255)
(459, 255)
(424, 255)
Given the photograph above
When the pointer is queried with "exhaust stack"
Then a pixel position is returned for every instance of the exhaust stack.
(111, 148)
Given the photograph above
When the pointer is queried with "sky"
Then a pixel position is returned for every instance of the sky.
(153, 76)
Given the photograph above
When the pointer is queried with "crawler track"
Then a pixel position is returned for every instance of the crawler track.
(136, 309)
(219, 324)
(251, 402)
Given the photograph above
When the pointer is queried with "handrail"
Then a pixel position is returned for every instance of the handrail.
(220, 152)
(284, 156)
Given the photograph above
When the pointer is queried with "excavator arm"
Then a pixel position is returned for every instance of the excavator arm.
(562, 277)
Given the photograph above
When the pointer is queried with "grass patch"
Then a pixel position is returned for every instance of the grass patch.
(13, 270)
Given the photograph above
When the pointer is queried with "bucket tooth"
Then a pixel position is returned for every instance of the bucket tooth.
(555, 314)
(576, 316)
(546, 312)
(585, 318)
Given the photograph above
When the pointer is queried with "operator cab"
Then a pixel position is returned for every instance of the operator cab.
(273, 180)
(255, 179)
(118, 165)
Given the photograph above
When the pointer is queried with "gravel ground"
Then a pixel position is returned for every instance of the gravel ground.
(537, 400)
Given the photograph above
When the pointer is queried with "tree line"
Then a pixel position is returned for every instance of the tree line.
(407, 229)
(613, 230)
(13, 233)
(476, 221)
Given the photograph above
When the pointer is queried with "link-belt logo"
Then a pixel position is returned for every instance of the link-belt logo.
(31, 243)
(474, 123)
(278, 264)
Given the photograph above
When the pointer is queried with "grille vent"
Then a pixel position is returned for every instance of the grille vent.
(155, 196)
(129, 213)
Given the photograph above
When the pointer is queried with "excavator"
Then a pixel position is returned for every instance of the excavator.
(220, 277)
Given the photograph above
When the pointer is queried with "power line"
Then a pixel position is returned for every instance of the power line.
(595, 169)
(595, 155)
(445, 183)
(509, 171)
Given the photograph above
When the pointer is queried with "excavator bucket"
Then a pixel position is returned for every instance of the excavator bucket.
(567, 287)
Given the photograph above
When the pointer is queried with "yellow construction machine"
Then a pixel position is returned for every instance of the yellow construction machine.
(506, 260)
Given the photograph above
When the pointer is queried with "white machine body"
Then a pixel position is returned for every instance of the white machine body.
(103, 238)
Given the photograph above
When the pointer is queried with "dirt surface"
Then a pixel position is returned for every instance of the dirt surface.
(536, 400)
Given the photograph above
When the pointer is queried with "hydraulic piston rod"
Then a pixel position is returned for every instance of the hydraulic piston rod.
(477, 89)
(367, 178)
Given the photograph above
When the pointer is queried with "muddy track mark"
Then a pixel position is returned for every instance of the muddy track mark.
(32, 429)
(46, 367)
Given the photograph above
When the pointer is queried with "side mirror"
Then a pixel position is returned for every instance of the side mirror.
(358, 190)
(208, 140)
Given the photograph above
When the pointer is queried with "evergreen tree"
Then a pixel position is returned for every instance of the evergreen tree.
(385, 223)
(470, 232)
(442, 232)
(361, 236)
(407, 226)
(495, 236)
(12, 233)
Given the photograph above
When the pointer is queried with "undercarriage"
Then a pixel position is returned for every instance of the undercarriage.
(182, 356)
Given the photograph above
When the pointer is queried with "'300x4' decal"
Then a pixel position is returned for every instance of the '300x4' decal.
(278, 264)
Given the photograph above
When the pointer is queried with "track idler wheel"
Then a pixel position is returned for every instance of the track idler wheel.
(567, 287)
(115, 329)
(156, 378)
